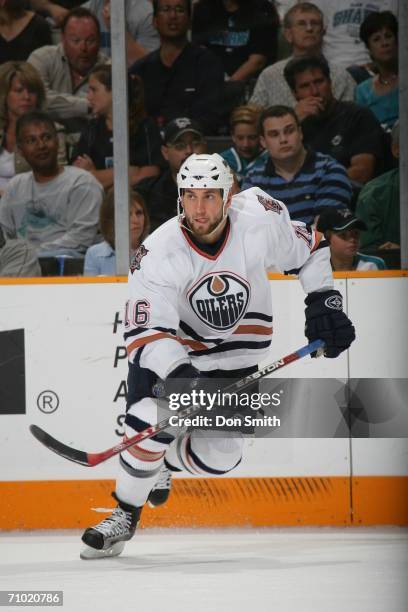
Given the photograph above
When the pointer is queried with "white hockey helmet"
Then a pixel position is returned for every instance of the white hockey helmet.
(206, 171)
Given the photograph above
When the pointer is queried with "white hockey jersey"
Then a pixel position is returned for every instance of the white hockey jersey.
(216, 310)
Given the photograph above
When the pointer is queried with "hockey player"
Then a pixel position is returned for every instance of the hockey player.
(200, 305)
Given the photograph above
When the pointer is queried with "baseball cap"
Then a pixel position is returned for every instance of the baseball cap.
(338, 220)
(177, 127)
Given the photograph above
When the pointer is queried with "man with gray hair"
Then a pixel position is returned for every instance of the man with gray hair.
(303, 28)
(378, 205)
(64, 68)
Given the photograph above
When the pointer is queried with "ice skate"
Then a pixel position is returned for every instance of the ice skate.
(161, 490)
(107, 539)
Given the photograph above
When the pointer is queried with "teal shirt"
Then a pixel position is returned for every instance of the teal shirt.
(385, 108)
(368, 262)
(240, 165)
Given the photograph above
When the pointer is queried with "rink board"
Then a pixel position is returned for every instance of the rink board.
(70, 380)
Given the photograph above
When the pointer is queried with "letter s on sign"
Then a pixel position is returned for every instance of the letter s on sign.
(140, 313)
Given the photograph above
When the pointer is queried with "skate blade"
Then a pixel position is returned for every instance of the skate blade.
(89, 553)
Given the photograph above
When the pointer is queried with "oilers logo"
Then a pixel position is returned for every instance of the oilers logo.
(220, 299)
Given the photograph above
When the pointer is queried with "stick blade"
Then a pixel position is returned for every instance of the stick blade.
(72, 454)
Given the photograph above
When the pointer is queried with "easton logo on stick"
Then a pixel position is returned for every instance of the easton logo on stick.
(270, 204)
(137, 258)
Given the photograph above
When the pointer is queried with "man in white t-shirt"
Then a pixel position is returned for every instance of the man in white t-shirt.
(342, 41)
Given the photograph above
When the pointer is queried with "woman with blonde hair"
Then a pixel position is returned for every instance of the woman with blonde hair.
(100, 259)
(21, 91)
(246, 150)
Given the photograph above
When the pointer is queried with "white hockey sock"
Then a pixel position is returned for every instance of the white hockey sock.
(133, 489)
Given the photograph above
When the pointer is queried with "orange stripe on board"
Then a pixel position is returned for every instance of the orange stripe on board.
(351, 274)
(380, 500)
(64, 280)
(214, 502)
(84, 280)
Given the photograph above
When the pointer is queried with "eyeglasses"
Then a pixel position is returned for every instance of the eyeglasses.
(179, 10)
(313, 23)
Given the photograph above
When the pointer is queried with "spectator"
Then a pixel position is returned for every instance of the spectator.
(65, 67)
(181, 138)
(17, 258)
(100, 259)
(246, 151)
(342, 43)
(180, 78)
(55, 208)
(307, 182)
(57, 10)
(303, 28)
(379, 31)
(94, 151)
(141, 35)
(242, 33)
(378, 205)
(21, 31)
(21, 90)
(347, 131)
(342, 230)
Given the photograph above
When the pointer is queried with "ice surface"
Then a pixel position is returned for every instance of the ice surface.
(248, 570)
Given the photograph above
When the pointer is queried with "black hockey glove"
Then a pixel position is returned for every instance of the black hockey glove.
(326, 320)
(184, 379)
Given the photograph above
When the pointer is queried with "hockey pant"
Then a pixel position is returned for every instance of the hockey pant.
(197, 451)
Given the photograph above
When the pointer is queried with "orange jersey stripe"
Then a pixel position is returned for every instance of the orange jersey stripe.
(142, 341)
(262, 330)
(318, 237)
(194, 344)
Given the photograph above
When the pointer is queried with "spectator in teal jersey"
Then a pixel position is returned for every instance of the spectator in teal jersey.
(246, 151)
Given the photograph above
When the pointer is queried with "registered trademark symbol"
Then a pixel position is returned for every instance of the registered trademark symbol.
(48, 401)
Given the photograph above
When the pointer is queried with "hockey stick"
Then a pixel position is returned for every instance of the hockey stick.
(91, 459)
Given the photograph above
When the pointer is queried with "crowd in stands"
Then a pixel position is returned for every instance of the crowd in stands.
(299, 98)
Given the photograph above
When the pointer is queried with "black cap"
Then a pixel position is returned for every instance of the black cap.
(338, 220)
(177, 127)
